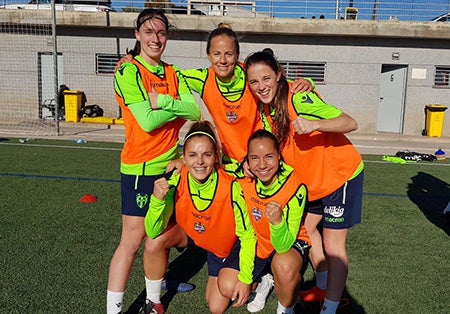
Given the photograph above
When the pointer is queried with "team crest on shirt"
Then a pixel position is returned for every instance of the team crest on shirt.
(231, 116)
(257, 214)
(199, 228)
(141, 200)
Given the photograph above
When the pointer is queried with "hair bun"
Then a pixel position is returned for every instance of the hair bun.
(269, 51)
(224, 25)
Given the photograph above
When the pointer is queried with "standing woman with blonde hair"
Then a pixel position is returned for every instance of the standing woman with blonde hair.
(155, 103)
(222, 87)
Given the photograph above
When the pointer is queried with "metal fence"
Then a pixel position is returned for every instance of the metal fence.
(401, 10)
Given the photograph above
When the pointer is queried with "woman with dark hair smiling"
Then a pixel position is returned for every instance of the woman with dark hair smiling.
(155, 103)
(311, 134)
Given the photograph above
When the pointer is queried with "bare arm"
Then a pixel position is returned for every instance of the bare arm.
(302, 85)
(125, 58)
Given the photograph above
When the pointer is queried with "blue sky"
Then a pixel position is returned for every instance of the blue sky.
(406, 10)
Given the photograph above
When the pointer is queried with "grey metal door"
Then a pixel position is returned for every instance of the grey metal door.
(392, 98)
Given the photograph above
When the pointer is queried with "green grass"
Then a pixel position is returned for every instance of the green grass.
(56, 250)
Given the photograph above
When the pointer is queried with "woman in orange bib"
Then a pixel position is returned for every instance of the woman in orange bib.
(311, 133)
(276, 200)
(201, 205)
(155, 104)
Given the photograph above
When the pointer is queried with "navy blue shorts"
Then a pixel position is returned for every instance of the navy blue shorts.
(136, 192)
(341, 209)
(262, 266)
(232, 260)
(215, 263)
(315, 207)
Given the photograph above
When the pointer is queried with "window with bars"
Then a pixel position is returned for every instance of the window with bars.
(442, 76)
(105, 63)
(313, 70)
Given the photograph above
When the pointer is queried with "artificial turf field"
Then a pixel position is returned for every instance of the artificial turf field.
(55, 251)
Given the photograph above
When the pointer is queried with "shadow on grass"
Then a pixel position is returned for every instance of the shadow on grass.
(181, 269)
(348, 304)
(431, 195)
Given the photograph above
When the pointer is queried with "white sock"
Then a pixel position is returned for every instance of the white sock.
(283, 310)
(153, 288)
(114, 302)
(329, 307)
(321, 279)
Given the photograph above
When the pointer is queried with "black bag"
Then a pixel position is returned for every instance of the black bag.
(407, 155)
(91, 111)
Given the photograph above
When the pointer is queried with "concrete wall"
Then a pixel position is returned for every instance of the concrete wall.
(354, 52)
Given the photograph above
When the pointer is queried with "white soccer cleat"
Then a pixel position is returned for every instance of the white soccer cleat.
(262, 292)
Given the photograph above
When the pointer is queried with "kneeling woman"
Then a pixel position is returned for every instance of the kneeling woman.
(209, 210)
(276, 201)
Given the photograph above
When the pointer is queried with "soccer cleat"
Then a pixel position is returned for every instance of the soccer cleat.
(313, 295)
(180, 287)
(261, 293)
(343, 303)
(151, 308)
